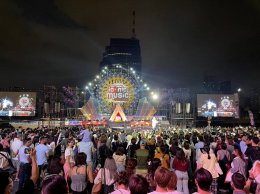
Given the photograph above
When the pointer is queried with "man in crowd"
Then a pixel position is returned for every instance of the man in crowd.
(25, 162)
(16, 144)
(42, 152)
(242, 144)
(253, 152)
(142, 157)
(162, 177)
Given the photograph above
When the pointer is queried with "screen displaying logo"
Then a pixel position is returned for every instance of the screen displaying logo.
(118, 90)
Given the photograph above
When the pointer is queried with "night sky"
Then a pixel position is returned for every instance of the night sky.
(60, 42)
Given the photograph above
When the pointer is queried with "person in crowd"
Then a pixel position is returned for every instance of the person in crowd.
(80, 174)
(171, 187)
(122, 184)
(4, 156)
(25, 162)
(131, 149)
(239, 163)
(199, 146)
(86, 135)
(238, 183)
(230, 147)
(208, 161)
(103, 151)
(181, 165)
(42, 153)
(223, 158)
(138, 184)
(6, 143)
(162, 177)
(55, 167)
(54, 184)
(142, 158)
(154, 163)
(120, 159)
(253, 152)
(203, 181)
(29, 182)
(69, 158)
(108, 174)
(163, 156)
(151, 147)
(130, 167)
(88, 148)
(15, 146)
(243, 143)
(64, 142)
(254, 178)
(115, 143)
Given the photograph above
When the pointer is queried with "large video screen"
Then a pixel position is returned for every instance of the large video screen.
(218, 105)
(17, 104)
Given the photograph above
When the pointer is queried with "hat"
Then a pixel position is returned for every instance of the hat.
(142, 142)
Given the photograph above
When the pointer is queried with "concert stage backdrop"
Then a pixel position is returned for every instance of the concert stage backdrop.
(218, 105)
(17, 103)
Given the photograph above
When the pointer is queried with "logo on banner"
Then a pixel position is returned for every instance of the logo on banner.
(118, 90)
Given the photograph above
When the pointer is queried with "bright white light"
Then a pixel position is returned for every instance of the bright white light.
(82, 92)
(131, 69)
(148, 88)
(89, 83)
(133, 72)
(106, 67)
(145, 85)
(155, 96)
(239, 89)
(86, 87)
(97, 76)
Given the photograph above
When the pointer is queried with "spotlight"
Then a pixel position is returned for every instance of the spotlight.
(155, 96)
(89, 83)
(86, 87)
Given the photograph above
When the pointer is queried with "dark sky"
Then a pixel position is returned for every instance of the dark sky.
(60, 42)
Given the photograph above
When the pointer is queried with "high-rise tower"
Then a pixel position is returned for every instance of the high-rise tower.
(123, 51)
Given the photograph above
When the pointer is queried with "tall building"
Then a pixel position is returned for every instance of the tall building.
(124, 52)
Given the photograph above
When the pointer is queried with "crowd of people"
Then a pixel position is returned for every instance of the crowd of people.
(84, 160)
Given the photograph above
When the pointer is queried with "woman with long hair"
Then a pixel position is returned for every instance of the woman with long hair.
(239, 163)
(181, 165)
(80, 174)
(69, 158)
(223, 157)
(107, 175)
(120, 159)
(153, 165)
(208, 161)
(121, 184)
(130, 166)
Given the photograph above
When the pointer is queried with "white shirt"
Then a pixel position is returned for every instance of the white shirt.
(69, 152)
(41, 154)
(15, 146)
(107, 174)
(22, 156)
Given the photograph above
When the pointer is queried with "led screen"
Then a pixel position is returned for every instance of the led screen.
(17, 104)
(217, 105)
